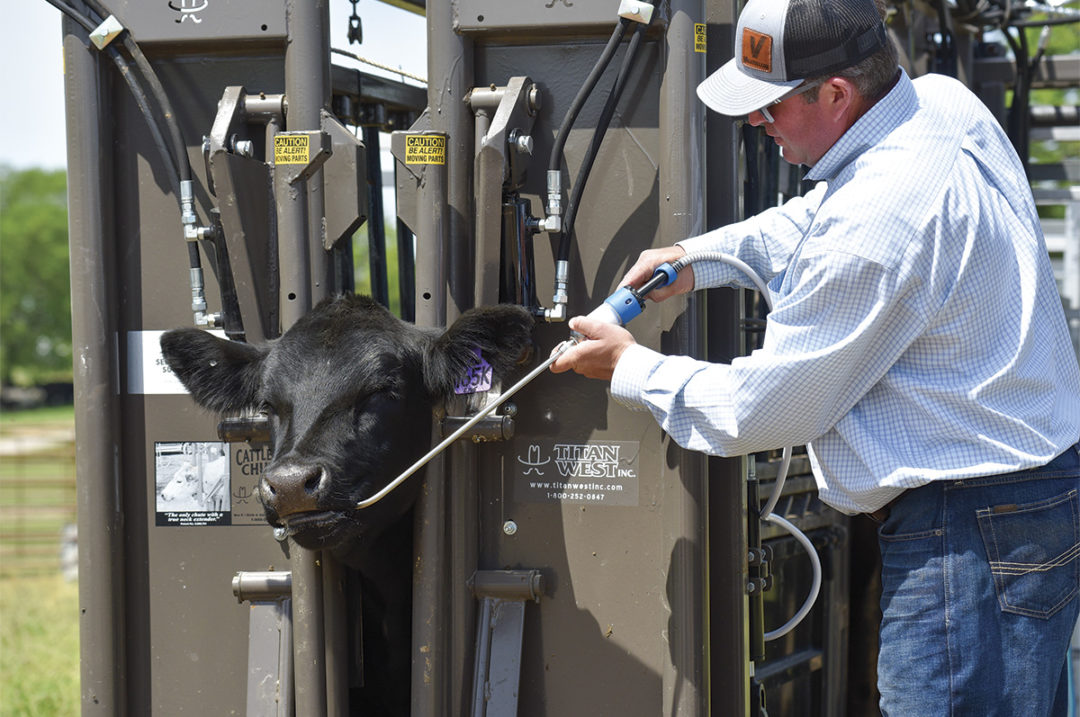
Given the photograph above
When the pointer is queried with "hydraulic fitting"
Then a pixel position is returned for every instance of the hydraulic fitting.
(558, 312)
(553, 221)
(198, 301)
(187, 210)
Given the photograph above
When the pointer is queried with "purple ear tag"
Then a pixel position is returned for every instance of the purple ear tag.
(477, 377)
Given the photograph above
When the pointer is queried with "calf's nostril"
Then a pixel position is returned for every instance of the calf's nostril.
(294, 488)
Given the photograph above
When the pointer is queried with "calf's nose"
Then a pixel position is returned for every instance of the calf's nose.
(294, 488)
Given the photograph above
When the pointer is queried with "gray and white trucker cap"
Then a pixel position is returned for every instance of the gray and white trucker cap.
(780, 43)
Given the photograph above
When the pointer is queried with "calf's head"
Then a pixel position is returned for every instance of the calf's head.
(349, 390)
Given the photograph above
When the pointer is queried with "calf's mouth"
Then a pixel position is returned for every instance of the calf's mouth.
(318, 529)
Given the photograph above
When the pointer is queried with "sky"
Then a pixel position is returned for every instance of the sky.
(32, 81)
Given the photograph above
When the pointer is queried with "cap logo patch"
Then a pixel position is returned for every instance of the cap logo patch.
(757, 50)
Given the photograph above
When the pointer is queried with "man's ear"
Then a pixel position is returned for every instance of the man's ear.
(840, 100)
(222, 375)
(502, 334)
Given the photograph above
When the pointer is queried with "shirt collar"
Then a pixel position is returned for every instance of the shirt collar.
(886, 114)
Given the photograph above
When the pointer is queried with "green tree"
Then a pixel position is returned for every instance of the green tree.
(35, 292)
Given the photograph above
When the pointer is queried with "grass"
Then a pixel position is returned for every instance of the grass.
(45, 416)
(37, 489)
(39, 614)
(39, 647)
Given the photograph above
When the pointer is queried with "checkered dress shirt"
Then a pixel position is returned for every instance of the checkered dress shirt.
(917, 333)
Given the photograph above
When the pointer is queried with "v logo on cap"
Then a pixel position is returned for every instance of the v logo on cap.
(757, 50)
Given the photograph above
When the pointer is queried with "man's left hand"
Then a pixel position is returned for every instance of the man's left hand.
(596, 356)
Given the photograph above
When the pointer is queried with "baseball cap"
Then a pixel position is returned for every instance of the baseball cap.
(780, 43)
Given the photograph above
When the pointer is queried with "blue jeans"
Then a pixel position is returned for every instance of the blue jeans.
(979, 594)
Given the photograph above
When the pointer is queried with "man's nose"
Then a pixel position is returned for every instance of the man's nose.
(756, 118)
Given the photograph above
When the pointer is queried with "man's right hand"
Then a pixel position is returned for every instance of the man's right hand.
(645, 266)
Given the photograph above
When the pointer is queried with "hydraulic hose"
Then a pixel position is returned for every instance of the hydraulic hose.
(815, 585)
(157, 90)
(173, 151)
(602, 124)
(137, 92)
(555, 160)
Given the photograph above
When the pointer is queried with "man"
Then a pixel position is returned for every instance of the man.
(917, 345)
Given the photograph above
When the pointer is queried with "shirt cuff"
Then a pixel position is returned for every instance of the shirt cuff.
(631, 373)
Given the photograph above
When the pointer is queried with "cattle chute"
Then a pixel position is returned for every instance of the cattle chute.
(636, 573)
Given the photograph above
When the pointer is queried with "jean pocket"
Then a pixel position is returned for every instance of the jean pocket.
(1033, 551)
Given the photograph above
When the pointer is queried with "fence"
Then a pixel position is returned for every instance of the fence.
(37, 503)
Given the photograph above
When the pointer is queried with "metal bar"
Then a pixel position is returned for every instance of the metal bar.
(102, 629)
(267, 641)
(365, 88)
(432, 239)
(1054, 71)
(286, 688)
(254, 586)
(337, 649)
(376, 221)
(305, 275)
(726, 630)
(504, 665)
(442, 249)
(450, 77)
(682, 116)
(463, 507)
(429, 596)
(487, 198)
(483, 657)
(406, 272)
(500, 629)
(309, 647)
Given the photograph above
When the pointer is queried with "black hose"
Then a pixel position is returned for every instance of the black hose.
(193, 255)
(156, 89)
(137, 92)
(144, 108)
(176, 161)
(162, 98)
(554, 163)
(598, 137)
(73, 14)
(148, 74)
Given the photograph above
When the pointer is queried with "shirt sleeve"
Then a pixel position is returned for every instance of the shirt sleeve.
(765, 242)
(842, 323)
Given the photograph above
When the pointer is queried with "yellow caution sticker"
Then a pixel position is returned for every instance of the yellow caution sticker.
(425, 149)
(292, 149)
(699, 37)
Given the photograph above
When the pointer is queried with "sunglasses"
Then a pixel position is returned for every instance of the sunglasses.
(794, 93)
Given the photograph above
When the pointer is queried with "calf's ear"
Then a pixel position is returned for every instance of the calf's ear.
(502, 334)
(221, 375)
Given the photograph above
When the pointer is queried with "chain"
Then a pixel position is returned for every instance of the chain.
(356, 33)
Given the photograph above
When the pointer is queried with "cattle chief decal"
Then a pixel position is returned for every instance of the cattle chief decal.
(349, 391)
